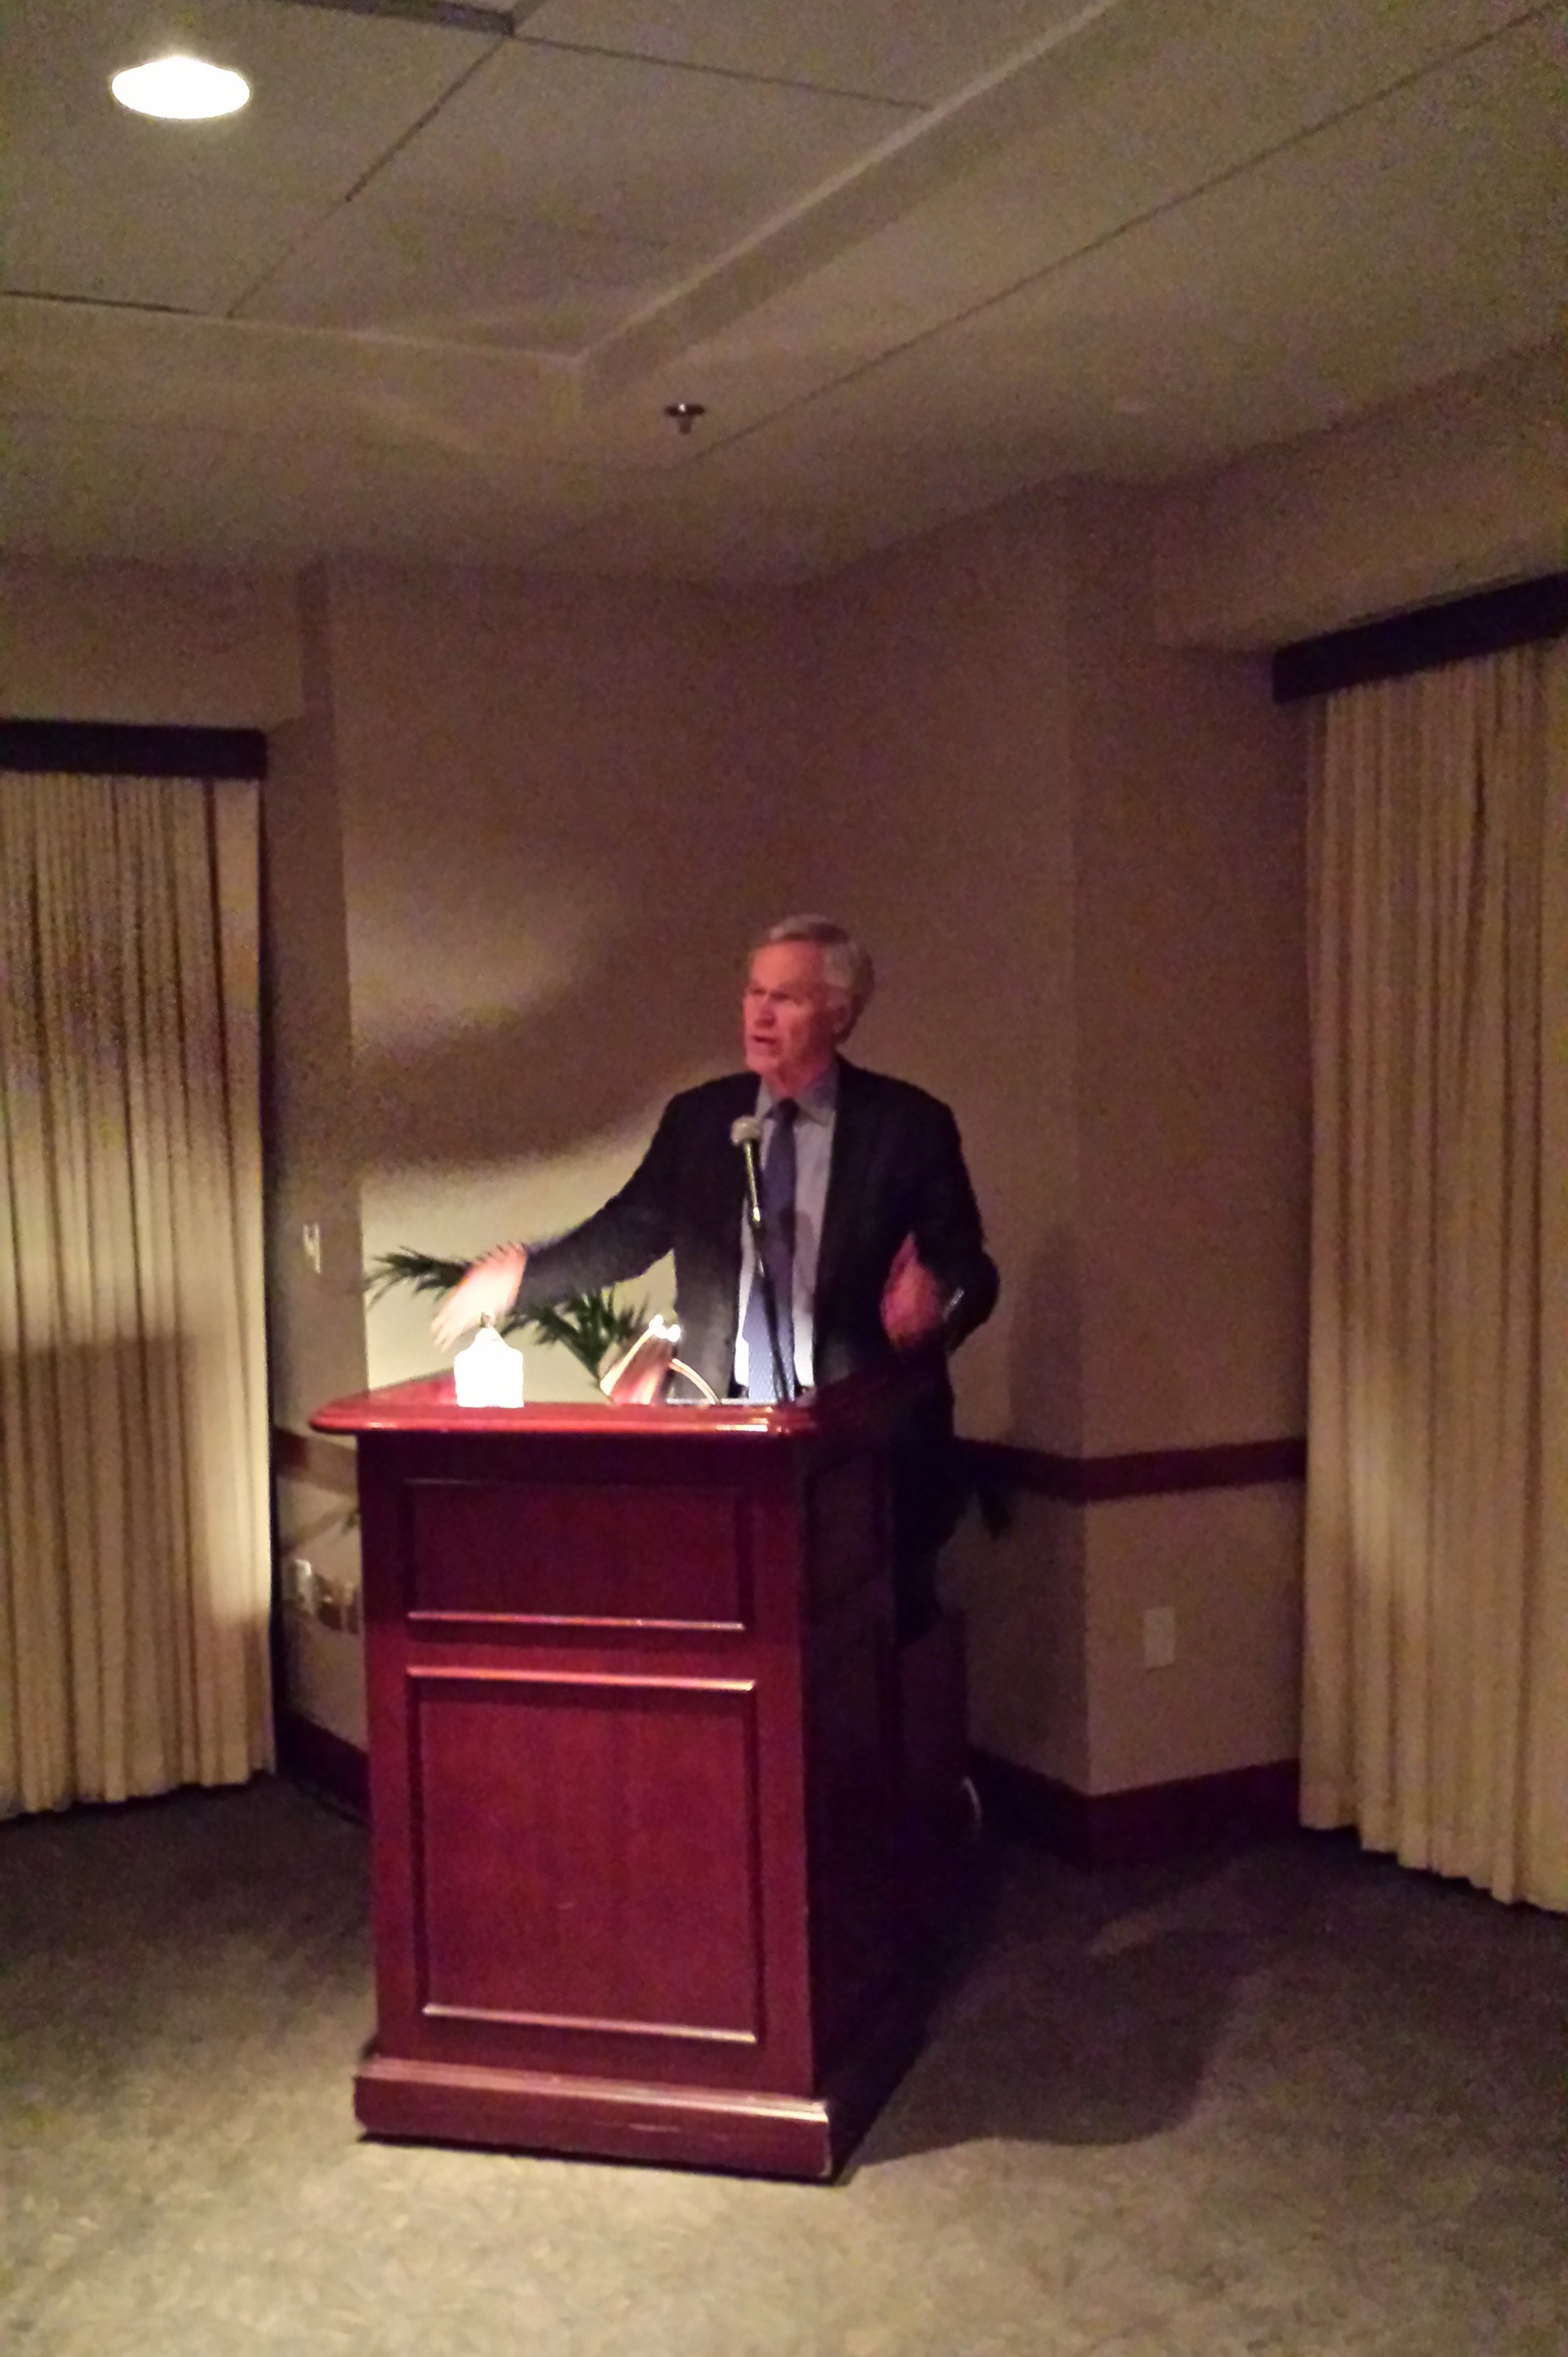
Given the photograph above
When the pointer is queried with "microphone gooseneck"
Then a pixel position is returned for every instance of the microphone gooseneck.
(747, 1132)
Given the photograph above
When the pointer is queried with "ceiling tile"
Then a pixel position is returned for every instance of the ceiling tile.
(1169, 218)
(1410, 240)
(84, 486)
(607, 146)
(916, 50)
(175, 235)
(104, 205)
(1145, 108)
(399, 267)
(155, 369)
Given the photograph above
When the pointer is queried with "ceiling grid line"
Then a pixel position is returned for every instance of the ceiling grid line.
(720, 73)
(440, 15)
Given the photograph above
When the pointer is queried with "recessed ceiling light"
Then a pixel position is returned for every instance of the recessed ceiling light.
(184, 90)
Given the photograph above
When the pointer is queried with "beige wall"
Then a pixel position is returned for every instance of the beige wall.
(940, 752)
(1452, 490)
(516, 832)
(317, 1336)
(1227, 1563)
(1193, 1121)
(1192, 1085)
(563, 805)
(1054, 1611)
(516, 844)
(316, 1317)
(1024, 1599)
(517, 828)
(566, 806)
(185, 646)
(1079, 855)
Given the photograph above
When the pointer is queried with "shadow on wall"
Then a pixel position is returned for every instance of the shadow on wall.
(638, 1023)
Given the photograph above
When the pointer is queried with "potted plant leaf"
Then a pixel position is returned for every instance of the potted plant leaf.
(594, 1327)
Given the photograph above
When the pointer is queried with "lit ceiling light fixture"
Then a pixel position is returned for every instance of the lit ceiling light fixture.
(183, 90)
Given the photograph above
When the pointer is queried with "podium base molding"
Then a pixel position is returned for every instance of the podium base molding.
(766, 2134)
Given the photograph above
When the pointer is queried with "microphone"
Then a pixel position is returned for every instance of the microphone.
(747, 1132)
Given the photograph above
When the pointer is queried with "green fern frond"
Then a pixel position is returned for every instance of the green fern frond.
(593, 1326)
(419, 1271)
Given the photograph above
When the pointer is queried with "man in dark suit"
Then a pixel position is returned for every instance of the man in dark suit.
(874, 1238)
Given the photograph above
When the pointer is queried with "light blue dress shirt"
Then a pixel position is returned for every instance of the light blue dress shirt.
(817, 1111)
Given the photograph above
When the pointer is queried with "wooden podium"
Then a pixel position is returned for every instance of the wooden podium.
(658, 1811)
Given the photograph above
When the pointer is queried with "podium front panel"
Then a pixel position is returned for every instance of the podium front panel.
(577, 1552)
(569, 1826)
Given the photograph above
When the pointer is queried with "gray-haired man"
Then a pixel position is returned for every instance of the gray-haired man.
(883, 1251)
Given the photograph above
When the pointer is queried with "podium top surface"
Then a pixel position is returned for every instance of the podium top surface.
(429, 1404)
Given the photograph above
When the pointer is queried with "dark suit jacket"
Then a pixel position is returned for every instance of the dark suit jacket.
(897, 1168)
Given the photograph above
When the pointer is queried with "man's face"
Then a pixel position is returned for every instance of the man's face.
(790, 1021)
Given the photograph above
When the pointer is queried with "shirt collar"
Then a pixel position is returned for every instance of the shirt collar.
(819, 1102)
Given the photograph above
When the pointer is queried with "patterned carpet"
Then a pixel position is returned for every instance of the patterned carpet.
(1300, 2102)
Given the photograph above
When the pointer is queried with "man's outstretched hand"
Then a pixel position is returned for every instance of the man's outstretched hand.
(488, 1291)
(911, 1300)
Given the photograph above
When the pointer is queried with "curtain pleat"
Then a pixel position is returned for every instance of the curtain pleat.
(1437, 1665)
(133, 1529)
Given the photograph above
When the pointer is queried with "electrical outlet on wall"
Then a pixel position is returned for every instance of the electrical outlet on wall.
(334, 1602)
(301, 1587)
(1159, 1637)
(339, 1605)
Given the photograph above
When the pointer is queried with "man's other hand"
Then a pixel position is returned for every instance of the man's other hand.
(911, 1300)
(488, 1291)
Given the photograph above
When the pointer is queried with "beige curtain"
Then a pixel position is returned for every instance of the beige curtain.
(133, 1524)
(1436, 1691)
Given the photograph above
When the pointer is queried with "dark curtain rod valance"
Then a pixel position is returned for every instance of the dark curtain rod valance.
(103, 749)
(1455, 632)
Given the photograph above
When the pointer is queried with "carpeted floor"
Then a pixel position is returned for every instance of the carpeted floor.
(1301, 2103)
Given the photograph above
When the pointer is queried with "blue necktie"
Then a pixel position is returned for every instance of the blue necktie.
(777, 1194)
